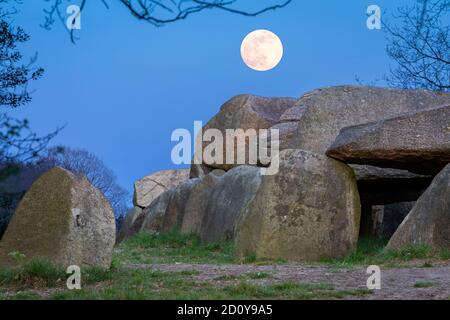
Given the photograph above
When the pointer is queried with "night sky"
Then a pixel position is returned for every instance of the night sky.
(126, 85)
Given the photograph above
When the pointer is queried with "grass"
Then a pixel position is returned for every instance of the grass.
(171, 286)
(35, 273)
(258, 275)
(131, 278)
(423, 284)
(245, 276)
(26, 296)
(173, 247)
(372, 252)
(288, 290)
(40, 273)
(139, 284)
(94, 275)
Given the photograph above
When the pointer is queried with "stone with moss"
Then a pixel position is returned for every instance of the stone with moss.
(309, 210)
(64, 219)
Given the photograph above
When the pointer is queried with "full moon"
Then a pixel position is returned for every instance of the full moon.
(261, 50)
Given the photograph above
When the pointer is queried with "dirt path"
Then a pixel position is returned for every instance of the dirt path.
(396, 283)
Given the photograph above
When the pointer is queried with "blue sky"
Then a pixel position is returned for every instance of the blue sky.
(126, 85)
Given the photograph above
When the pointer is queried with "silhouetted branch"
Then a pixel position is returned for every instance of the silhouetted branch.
(420, 46)
(161, 12)
(18, 142)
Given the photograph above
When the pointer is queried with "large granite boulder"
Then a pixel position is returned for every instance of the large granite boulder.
(208, 206)
(223, 205)
(429, 220)
(199, 170)
(308, 211)
(227, 201)
(288, 125)
(62, 218)
(294, 113)
(130, 218)
(150, 187)
(166, 212)
(286, 131)
(416, 141)
(175, 211)
(153, 215)
(329, 110)
(245, 112)
(197, 203)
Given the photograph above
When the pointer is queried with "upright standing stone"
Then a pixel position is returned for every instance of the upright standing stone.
(62, 218)
(197, 204)
(309, 210)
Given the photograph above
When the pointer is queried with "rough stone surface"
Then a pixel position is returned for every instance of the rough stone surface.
(294, 113)
(199, 170)
(372, 173)
(130, 218)
(226, 202)
(151, 218)
(150, 187)
(429, 220)
(62, 218)
(136, 227)
(179, 196)
(417, 141)
(247, 112)
(154, 213)
(209, 206)
(286, 132)
(297, 215)
(329, 110)
(197, 204)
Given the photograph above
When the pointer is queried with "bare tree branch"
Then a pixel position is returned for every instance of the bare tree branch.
(161, 12)
(420, 46)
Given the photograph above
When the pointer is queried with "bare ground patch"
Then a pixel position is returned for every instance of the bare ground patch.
(396, 283)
